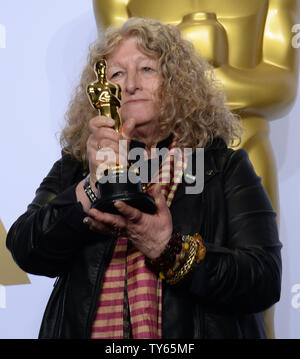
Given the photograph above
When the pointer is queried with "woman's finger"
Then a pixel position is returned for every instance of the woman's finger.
(112, 220)
(130, 213)
(159, 198)
(128, 128)
(96, 226)
(100, 121)
(107, 133)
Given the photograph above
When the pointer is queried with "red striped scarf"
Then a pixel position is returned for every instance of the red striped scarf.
(143, 287)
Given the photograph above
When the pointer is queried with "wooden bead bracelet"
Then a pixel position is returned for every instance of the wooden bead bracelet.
(180, 255)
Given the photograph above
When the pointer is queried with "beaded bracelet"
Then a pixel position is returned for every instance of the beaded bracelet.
(193, 252)
(168, 256)
(178, 258)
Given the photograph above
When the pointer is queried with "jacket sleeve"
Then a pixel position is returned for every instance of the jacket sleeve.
(46, 237)
(243, 274)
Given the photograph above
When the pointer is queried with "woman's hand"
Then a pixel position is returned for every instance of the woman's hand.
(104, 148)
(148, 233)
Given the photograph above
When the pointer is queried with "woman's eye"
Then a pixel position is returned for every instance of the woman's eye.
(116, 74)
(147, 68)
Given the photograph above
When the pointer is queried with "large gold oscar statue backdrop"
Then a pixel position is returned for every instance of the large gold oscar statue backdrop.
(249, 43)
(10, 273)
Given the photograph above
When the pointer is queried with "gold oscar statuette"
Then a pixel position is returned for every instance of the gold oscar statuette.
(115, 183)
(105, 96)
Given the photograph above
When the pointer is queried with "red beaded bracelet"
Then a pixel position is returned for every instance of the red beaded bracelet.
(168, 256)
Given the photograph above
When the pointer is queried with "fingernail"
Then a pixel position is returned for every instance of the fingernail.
(118, 204)
(87, 221)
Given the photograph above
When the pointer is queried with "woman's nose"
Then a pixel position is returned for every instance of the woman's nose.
(132, 83)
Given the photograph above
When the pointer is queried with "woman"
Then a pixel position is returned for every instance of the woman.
(137, 275)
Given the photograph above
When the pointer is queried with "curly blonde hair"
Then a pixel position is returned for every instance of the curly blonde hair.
(193, 103)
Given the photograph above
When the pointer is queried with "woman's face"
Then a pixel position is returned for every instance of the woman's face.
(138, 76)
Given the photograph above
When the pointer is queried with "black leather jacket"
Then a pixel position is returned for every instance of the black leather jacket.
(222, 298)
